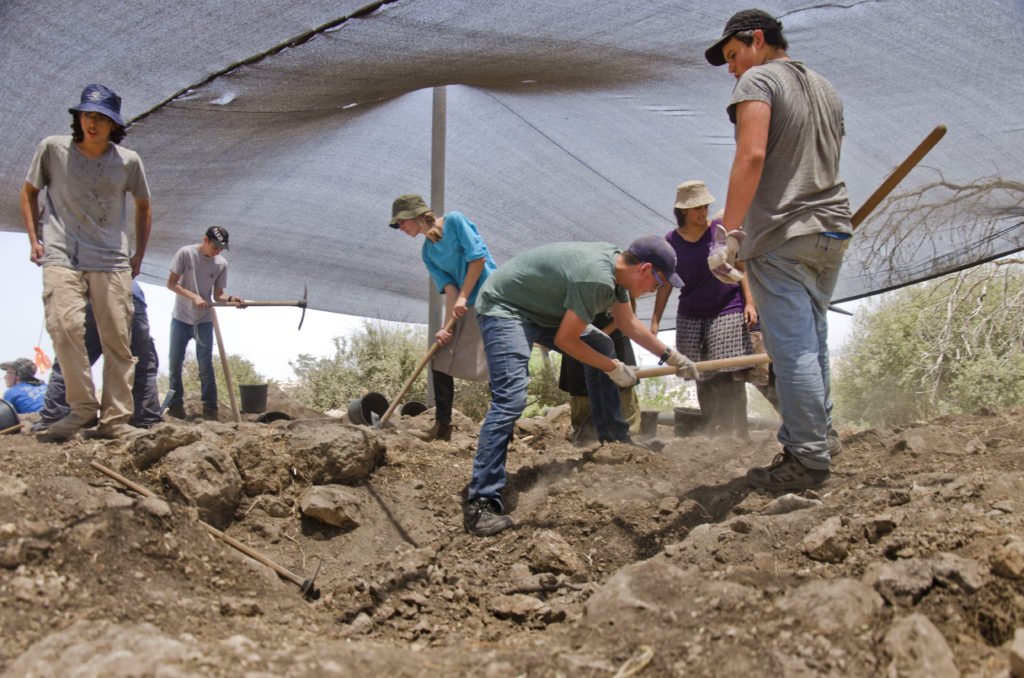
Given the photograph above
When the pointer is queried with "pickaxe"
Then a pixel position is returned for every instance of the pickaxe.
(301, 304)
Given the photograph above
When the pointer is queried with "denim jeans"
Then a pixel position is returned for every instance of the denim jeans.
(181, 334)
(508, 344)
(792, 286)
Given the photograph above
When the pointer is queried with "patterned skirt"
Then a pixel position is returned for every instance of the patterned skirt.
(724, 336)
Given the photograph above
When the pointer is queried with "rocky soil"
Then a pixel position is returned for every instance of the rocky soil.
(908, 562)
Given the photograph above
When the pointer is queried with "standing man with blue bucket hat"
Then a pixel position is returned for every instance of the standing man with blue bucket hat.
(82, 242)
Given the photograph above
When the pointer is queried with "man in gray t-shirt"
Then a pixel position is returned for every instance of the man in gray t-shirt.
(82, 242)
(788, 217)
(198, 276)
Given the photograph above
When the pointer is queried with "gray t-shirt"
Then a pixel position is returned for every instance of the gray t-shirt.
(84, 218)
(540, 285)
(800, 191)
(200, 274)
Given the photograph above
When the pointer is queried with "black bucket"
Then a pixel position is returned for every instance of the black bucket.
(648, 423)
(413, 408)
(361, 411)
(688, 422)
(8, 415)
(254, 398)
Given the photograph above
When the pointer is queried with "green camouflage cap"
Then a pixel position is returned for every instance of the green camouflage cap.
(408, 206)
(23, 367)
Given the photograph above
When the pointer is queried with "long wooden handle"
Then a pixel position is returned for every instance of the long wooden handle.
(259, 303)
(224, 364)
(709, 365)
(898, 174)
(255, 555)
(415, 373)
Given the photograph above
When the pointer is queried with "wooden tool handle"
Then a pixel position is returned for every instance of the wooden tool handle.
(415, 373)
(709, 365)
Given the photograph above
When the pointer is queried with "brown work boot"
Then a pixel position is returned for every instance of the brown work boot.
(786, 473)
(177, 410)
(439, 431)
(67, 426)
(116, 430)
(210, 414)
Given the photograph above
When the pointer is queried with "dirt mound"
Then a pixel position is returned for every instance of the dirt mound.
(623, 561)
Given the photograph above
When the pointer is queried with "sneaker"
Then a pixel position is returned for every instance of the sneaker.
(835, 445)
(116, 431)
(786, 473)
(482, 518)
(65, 427)
(438, 431)
(177, 410)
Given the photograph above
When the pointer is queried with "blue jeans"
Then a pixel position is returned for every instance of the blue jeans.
(507, 344)
(792, 286)
(181, 334)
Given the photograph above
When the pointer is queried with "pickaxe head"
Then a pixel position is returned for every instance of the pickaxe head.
(302, 304)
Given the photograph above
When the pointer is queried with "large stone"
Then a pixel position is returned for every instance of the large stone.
(550, 552)
(205, 476)
(902, 582)
(788, 503)
(342, 454)
(331, 505)
(918, 650)
(828, 542)
(518, 607)
(1007, 559)
(832, 604)
(149, 447)
(1017, 654)
(957, 573)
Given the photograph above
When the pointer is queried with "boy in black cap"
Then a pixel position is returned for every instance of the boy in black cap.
(550, 296)
(197, 272)
(788, 218)
(82, 242)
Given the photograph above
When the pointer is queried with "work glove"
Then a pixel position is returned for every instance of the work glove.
(685, 368)
(722, 256)
(623, 375)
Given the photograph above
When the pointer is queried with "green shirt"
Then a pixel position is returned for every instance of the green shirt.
(540, 285)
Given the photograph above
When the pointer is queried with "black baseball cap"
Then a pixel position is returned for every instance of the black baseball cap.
(218, 235)
(745, 20)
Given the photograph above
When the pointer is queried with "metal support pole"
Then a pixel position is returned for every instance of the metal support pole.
(436, 306)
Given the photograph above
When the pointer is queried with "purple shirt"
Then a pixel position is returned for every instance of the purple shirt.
(703, 295)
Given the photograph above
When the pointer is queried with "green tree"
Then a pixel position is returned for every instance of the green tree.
(948, 345)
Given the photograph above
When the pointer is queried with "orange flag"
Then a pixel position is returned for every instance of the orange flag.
(42, 361)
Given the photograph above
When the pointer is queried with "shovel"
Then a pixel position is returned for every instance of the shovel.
(415, 373)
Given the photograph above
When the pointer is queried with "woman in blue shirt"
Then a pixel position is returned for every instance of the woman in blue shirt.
(458, 262)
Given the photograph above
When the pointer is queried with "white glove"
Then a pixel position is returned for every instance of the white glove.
(722, 258)
(685, 368)
(623, 375)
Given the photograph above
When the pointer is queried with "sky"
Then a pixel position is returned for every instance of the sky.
(266, 336)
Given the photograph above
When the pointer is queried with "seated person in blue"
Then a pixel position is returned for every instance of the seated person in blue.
(24, 392)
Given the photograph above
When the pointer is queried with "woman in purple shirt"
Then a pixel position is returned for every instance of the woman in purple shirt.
(713, 318)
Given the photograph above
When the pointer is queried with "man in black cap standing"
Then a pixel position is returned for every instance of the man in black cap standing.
(82, 242)
(197, 272)
(788, 218)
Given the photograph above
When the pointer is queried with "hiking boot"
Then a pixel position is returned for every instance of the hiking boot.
(177, 410)
(835, 446)
(65, 427)
(439, 431)
(210, 414)
(786, 473)
(116, 430)
(482, 518)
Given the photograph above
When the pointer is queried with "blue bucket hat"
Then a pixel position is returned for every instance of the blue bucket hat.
(101, 99)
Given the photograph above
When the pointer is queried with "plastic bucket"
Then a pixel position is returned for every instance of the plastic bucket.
(254, 398)
(648, 423)
(361, 411)
(413, 408)
(8, 415)
(688, 422)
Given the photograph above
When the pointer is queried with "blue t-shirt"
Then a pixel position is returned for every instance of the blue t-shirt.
(26, 398)
(447, 259)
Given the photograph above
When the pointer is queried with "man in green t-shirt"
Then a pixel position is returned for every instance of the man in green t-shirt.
(550, 296)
